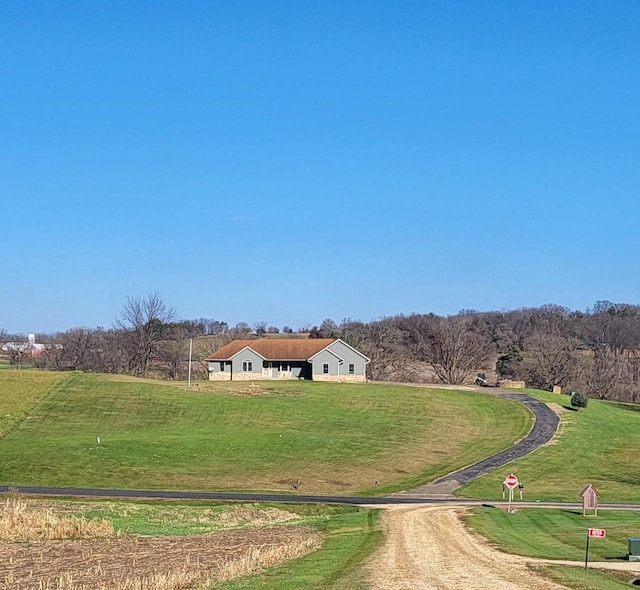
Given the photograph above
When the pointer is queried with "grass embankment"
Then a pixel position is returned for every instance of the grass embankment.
(561, 534)
(598, 445)
(556, 534)
(320, 437)
(350, 537)
(580, 579)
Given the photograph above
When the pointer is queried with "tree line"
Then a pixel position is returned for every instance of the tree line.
(596, 351)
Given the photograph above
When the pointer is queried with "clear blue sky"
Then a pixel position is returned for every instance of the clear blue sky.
(292, 161)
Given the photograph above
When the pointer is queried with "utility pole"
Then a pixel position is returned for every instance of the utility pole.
(190, 353)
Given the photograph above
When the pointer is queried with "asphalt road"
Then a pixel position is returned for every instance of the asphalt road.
(284, 498)
(544, 428)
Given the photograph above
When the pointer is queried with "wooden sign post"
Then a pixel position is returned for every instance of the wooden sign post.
(598, 534)
(590, 500)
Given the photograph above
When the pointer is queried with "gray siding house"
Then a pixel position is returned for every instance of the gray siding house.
(320, 359)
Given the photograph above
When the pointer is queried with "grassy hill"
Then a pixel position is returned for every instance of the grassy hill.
(598, 445)
(327, 438)
(22, 390)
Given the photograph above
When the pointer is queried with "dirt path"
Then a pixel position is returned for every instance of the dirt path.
(428, 547)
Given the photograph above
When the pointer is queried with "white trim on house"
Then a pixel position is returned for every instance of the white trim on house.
(327, 347)
(245, 348)
(354, 350)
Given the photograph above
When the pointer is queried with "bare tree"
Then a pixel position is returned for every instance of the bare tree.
(329, 329)
(260, 328)
(16, 352)
(604, 375)
(173, 349)
(202, 348)
(77, 349)
(454, 348)
(550, 360)
(241, 329)
(143, 321)
(383, 341)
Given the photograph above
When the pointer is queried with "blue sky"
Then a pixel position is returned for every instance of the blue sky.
(292, 161)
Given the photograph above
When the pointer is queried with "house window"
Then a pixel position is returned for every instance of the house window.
(222, 367)
(284, 366)
(247, 366)
(352, 369)
(325, 368)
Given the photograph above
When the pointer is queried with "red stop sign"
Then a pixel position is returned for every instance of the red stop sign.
(511, 481)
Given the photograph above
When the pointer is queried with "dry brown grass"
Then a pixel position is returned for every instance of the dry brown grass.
(246, 516)
(173, 563)
(21, 522)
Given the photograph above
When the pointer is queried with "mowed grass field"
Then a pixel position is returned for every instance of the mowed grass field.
(556, 533)
(599, 445)
(20, 391)
(561, 534)
(322, 438)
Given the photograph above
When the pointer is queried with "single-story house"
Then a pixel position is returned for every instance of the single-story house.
(319, 359)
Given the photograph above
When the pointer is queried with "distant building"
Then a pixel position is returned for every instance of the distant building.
(319, 359)
(30, 348)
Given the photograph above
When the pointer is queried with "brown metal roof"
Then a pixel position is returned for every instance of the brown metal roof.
(274, 349)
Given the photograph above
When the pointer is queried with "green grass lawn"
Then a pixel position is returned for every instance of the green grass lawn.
(556, 534)
(350, 537)
(333, 438)
(561, 534)
(591, 579)
(22, 390)
(598, 445)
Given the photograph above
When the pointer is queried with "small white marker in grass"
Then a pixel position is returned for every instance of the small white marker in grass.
(98, 440)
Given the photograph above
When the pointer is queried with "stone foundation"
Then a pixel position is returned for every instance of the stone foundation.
(509, 384)
(247, 376)
(282, 376)
(219, 376)
(341, 378)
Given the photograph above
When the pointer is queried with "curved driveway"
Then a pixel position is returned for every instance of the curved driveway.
(544, 428)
